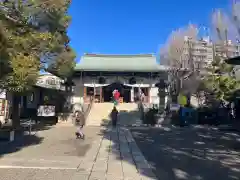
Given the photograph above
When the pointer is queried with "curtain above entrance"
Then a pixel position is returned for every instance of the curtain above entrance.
(129, 85)
(95, 85)
(137, 85)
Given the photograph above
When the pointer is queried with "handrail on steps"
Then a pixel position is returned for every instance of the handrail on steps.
(86, 113)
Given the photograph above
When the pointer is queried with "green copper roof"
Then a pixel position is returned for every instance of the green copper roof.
(137, 63)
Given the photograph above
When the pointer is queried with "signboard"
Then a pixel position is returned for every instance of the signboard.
(174, 107)
(46, 111)
(2, 94)
(2, 107)
(52, 82)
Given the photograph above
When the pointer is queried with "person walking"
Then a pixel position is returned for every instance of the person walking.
(80, 122)
(114, 116)
(116, 96)
(142, 97)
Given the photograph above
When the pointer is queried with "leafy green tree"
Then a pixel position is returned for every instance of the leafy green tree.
(62, 66)
(221, 80)
(33, 36)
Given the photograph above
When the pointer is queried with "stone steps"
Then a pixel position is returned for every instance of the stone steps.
(99, 115)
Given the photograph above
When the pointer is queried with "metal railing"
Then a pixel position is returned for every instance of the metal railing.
(86, 113)
(28, 126)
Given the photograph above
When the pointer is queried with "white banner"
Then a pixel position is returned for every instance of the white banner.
(95, 85)
(137, 85)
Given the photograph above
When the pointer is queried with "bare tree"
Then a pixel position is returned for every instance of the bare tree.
(226, 27)
(236, 18)
(221, 80)
(178, 56)
(222, 27)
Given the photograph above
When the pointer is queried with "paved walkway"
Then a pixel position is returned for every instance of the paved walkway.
(107, 154)
(117, 157)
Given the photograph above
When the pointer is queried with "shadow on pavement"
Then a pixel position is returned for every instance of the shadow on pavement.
(125, 118)
(21, 141)
(120, 140)
(22, 136)
(190, 153)
(58, 141)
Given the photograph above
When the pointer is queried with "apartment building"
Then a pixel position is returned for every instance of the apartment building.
(203, 51)
(228, 49)
(198, 53)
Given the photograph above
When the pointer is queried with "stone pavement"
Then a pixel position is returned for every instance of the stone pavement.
(118, 157)
(196, 153)
(113, 155)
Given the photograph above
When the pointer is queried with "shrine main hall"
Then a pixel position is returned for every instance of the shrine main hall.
(97, 75)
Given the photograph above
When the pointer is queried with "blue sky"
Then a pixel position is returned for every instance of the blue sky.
(133, 26)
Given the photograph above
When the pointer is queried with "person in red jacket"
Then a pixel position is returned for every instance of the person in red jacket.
(117, 95)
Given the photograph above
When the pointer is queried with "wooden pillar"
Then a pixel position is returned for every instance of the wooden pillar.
(148, 100)
(94, 92)
(101, 94)
(84, 93)
(150, 87)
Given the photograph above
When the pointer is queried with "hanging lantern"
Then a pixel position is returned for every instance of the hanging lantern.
(102, 80)
(132, 80)
(161, 84)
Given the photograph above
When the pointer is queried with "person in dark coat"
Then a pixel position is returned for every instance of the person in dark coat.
(114, 116)
(80, 122)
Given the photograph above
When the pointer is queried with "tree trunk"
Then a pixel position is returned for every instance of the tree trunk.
(174, 98)
(188, 100)
(15, 110)
(161, 101)
(176, 90)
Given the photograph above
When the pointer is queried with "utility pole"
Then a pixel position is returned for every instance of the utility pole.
(226, 39)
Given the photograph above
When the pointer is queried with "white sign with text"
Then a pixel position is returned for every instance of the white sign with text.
(46, 111)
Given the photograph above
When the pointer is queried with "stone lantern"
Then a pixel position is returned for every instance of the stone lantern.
(162, 86)
(68, 85)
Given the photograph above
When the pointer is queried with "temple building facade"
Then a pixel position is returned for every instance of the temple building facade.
(98, 75)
